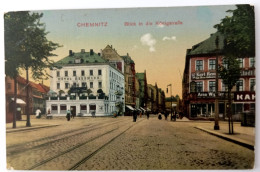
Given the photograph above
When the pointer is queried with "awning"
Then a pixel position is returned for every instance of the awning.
(19, 101)
(130, 107)
(148, 109)
(142, 109)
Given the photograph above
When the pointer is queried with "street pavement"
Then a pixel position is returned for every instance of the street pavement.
(106, 143)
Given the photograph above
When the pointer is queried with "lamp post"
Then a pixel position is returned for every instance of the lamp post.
(171, 100)
(216, 126)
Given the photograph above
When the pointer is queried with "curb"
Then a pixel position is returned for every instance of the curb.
(225, 137)
(29, 128)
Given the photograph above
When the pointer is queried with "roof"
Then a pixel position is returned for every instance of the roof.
(40, 87)
(84, 57)
(127, 59)
(208, 46)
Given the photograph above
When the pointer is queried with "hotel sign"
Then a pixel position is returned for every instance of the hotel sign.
(203, 75)
(83, 78)
(244, 96)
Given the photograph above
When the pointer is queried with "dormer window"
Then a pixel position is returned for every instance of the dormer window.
(77, 60)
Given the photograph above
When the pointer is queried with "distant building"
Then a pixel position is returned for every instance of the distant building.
(37, 95)
(198, 83)
(87, 84)
(143, 95)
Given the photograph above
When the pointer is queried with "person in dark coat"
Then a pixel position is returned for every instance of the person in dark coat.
(68, 115)
(147, 114)
(134, 115)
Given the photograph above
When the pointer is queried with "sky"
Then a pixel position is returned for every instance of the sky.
(159, 49)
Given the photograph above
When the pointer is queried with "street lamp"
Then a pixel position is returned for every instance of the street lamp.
(216, 126)
(171, 100)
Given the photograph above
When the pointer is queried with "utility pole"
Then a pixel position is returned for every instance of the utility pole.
(216, 126)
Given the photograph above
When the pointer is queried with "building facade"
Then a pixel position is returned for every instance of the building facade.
(37, 95)
(199, 82)
(143, 95)
(86, 83)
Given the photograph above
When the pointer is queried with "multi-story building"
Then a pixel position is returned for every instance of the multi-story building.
(37, 94)
(151, 101)
(142, 89)
(199, 80)
(130, 90)
(86, 83)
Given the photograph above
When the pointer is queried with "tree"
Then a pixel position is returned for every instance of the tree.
(239, 31)
(229, 72)
(29, 48)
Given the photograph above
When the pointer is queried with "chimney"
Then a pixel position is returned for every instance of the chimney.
(127, 54)
(91, 52)
(82, 50)
(70, 53)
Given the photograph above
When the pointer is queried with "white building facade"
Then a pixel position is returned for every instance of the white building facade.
(86, 83)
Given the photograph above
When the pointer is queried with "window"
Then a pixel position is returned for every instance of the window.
(251, 62)
(199, 65)
(74, 73)
(92, 107)
(212, 64)
(66, 73)
(54, 107)
(91, 72)
(74, 84)
(99, 72)
(83, 107)
(82, 73)
(58, 73)
(225, 63)
(63, 107)
(240, 60)
(84, 84)
(199, 86)
(212, 86)
(91, 84)
(99, 84)
(252, 84)
(66, 85)
(239, 85)
(58, 85)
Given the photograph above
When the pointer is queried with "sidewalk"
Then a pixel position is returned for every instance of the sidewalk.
(35, 124)
(244, 136)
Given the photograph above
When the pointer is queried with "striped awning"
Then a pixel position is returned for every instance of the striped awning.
(19, 101)
(130, 107)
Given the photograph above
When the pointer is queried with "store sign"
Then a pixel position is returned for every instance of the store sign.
(82, 78)
(209, 94)
(203, 75)
(244, 97)
(250, 72)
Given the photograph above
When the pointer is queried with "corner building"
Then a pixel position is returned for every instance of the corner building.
(85, 82)
(199, 82)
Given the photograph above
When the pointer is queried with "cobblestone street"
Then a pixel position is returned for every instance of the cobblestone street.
(120, 144)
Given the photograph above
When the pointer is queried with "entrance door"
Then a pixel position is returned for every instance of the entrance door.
(193, 110)
(73, 110)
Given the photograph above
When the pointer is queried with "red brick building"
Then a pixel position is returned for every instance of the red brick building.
(37, 93)
(199, 82)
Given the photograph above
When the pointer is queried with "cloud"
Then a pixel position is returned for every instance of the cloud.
(147, 39)
(173, 38)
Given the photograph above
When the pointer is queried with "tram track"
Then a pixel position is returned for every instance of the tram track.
(21, 148)
(108, 136)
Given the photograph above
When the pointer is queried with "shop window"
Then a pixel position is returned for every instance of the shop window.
(54, 107)
(83, 107)
(92, 107)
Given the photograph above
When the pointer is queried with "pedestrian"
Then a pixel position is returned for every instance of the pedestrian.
(93, 113)
(159, 116)
(134, 115)
(38, 113)
(148, 114)
(68, 115)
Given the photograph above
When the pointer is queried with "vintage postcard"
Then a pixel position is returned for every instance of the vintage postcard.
(163, 88)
